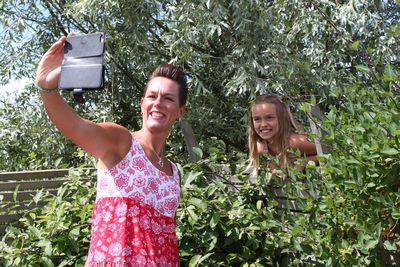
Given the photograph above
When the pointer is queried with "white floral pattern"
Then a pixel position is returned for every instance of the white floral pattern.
(133, 221)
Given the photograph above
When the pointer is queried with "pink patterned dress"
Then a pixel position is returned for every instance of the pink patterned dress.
(133, 220)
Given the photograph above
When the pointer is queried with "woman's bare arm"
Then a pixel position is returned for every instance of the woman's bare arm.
(106, 141)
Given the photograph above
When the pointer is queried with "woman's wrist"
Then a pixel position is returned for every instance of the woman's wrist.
(47, 91)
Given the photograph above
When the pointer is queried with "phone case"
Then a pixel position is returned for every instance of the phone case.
(83, 65)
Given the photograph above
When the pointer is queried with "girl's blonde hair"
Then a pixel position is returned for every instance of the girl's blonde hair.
(287, 126)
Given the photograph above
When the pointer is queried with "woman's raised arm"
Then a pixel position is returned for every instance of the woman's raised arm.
(107, 141)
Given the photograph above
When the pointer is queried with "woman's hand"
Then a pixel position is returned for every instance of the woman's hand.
(49, 69)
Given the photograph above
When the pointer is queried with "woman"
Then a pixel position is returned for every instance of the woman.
(133, 221)
(272, 132)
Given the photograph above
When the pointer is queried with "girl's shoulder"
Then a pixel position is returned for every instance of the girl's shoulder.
(261, 148)
(301, 142)
(295, 139)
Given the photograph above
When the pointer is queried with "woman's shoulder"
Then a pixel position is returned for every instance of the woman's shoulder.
(118, 140)
(121, 135)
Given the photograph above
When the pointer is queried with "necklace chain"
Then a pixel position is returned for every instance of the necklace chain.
(265, 148)
(160, 161)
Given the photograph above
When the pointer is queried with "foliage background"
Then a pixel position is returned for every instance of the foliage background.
(340, 55)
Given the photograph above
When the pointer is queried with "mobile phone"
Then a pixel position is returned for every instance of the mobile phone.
(83, 65)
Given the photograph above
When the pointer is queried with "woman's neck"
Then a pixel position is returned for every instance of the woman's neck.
(155, 142)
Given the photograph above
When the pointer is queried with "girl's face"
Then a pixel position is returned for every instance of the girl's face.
(160, 104)
(265, 121)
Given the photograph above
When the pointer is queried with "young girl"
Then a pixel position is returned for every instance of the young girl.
(272, 132)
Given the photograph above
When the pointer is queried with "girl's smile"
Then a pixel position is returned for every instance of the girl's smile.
(265, 121)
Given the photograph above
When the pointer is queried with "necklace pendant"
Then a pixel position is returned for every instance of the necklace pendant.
(161, 163)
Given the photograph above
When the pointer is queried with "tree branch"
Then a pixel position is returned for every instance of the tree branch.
(53, 15)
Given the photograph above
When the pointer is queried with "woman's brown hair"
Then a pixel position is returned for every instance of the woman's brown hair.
(174, 73)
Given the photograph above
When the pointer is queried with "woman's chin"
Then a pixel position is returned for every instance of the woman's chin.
(158, 127)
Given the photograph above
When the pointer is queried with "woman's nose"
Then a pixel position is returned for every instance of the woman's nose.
(157, 100)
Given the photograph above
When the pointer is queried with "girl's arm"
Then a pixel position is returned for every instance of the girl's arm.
(307, 148)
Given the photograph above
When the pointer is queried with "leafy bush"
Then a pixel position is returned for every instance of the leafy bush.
(349, 218)
(56, 234)
(223, 224)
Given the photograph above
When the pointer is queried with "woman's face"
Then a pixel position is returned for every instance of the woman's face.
(160, 104)
(265, 121)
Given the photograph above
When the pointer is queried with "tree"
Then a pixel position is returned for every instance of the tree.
(339, 55)
(231, 50)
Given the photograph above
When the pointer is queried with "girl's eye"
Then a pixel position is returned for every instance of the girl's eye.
(151, 96)
(169, 98)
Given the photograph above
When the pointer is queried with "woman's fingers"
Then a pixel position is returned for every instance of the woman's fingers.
(57, 47)
(48, 72)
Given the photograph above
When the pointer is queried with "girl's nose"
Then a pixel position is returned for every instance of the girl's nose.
(264, 122)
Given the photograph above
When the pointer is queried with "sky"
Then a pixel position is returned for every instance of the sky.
(14, 86)
(12, 89)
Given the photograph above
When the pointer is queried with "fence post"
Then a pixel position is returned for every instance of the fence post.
(190, 139)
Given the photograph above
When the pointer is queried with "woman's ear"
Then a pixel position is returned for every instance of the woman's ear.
(140, 104)
(182, 111)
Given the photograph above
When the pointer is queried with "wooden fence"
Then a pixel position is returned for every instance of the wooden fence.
(17, 190)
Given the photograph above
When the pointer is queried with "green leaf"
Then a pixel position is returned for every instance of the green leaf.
(198, 152)
(204, 257)
(15, 193)
(208, 4)
(47, 262)
(214, 219)
(259, 204)
(57, 162)
(232, 257)
(353, 161)
(17, 261)
(194, 261)
(370, 244)
(362, 68)
(190, 177)
(297, 230)
(355, 45)
(193, 218)
(390, 151)
(378, 230)
(38, 196)
(389, 74)
(396, 215)
(391, 246)
(378, 4)
(370, 185)
(202, 204)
